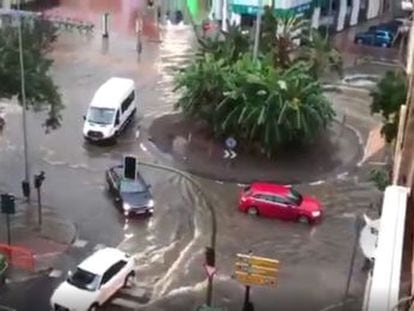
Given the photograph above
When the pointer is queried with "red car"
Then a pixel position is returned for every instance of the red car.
(279, 201)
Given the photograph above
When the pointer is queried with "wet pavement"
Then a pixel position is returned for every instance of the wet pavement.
(169, 246)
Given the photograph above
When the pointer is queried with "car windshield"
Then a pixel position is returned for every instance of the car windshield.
(84, 280)
(295, 197)
(101, 115)
(132, 186)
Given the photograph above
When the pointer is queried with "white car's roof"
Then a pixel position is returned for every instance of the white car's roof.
(101, 260)
(112, 93)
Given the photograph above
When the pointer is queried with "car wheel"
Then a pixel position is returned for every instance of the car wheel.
(94, 307)
(128, 278)
(304, 220)
(252, 211)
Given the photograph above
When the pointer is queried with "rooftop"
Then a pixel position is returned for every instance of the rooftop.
(112, 92)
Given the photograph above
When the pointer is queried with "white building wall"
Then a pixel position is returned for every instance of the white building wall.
(340, 25)
(373, 8)
(356, 5)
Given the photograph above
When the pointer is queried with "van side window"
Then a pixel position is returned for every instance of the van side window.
(127, 102)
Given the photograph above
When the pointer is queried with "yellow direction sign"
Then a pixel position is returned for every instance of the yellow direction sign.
(254, 279)
(258, 261)
(250, 269)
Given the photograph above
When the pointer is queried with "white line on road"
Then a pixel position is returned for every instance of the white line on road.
(55, 274)
(342, 175)
(318, 182)
(142, 146)
(80, 243)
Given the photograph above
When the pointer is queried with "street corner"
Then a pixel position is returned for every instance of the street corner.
(33, 248)
(338, 150)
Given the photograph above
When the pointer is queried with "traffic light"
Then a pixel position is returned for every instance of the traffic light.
(38, 179)
(130, 167)
(7, 204)
(210, 257)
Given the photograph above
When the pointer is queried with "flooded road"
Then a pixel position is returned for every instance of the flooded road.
(169, 246)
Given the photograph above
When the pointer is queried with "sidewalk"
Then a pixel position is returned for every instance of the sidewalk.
(34, 249)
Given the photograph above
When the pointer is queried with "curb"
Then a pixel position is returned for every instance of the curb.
(336, 174)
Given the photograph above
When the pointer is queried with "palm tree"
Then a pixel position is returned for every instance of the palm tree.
(319, 51)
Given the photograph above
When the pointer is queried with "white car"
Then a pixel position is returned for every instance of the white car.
(95, 280)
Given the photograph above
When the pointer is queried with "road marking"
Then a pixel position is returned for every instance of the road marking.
(142, 146)
(80, 243)
(55, 274)
(318, 182)
(219, 182)
(125, 303)
(137, 134)
(342, 175)
(242, 185)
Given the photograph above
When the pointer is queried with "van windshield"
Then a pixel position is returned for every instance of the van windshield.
(101, 115)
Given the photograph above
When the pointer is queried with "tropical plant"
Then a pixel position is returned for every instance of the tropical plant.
(388, 96)
(254, 101)
(227, 45)
(380, 178)
(318, 50)
(38, 36)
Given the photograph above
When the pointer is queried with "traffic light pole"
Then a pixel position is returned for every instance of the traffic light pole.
(209, 296)
(39, 206)
(8, 229)
(247, 304)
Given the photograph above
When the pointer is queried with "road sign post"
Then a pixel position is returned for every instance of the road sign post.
(252, 270)
(38, 180)
(229, 152)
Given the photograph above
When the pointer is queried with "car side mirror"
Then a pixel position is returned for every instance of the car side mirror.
(149, 186)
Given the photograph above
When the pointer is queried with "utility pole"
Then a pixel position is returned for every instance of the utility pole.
(258, 27)
(26, 181)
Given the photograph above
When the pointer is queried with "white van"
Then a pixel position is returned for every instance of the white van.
(111, 108)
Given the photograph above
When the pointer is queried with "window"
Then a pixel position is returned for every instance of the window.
(113, 270)
(100, 115)
(84, 280)
(127, 102)
(294, 197)
(132, 186)
(279, 200)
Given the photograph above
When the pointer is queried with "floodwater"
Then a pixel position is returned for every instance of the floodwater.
(169, 247)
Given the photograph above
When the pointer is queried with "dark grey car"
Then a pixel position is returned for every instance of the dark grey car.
(131, 196)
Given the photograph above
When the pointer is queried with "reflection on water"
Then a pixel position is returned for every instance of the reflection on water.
(123, 13)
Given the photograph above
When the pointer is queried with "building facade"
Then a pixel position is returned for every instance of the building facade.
(336, 14)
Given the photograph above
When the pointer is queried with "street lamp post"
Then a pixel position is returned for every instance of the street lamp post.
(26, 181)
(258, 26)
